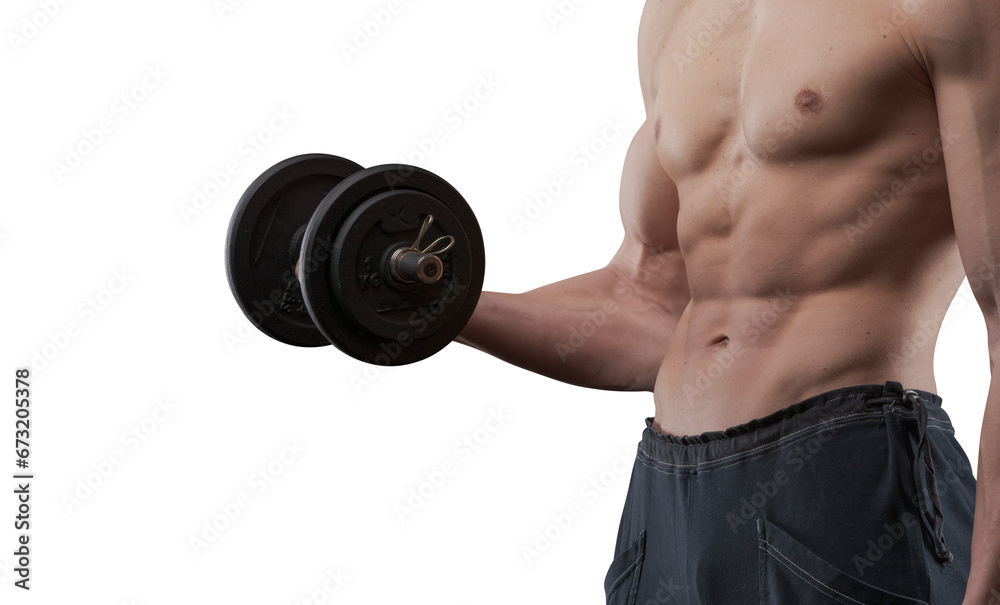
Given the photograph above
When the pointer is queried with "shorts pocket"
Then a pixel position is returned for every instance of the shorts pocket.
(791, 573)
(622, 580)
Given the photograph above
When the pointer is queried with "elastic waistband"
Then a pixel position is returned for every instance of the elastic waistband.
(827, 410)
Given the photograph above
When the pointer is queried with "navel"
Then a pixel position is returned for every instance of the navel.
(721, 341)
(809, 101)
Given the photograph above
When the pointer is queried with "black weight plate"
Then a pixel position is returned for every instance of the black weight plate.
(360, 272)
(396, 324)
(263, 243)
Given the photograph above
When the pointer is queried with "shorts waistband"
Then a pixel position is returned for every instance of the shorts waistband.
(813, 414)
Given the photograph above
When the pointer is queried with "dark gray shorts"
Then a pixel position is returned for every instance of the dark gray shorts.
(860, 495)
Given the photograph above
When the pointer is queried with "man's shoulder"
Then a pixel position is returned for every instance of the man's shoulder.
(949, 33)
(949, 17)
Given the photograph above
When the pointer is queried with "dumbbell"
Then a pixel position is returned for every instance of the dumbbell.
(386, 263)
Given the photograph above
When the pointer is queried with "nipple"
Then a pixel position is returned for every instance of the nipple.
(808, 101)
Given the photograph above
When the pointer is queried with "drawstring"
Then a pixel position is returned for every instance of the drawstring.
(933, 518)
(924, 460)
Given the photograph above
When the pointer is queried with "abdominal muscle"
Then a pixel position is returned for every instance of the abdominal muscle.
(732, 361)
(773, 320)
(795, 290)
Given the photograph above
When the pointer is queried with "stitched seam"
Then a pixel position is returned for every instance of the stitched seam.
(640, 556)
(763, 529)
(808, 574)
(808, 583)
(942, 424)
(628, 570)
(779, 443)
(808, 428)
(941, 428)
(656, 466)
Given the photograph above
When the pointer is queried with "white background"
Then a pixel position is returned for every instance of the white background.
(127, 218)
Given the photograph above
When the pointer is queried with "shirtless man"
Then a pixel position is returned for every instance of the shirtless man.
(811, 184)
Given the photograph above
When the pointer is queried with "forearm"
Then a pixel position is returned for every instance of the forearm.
(596, 330)
(984, 576)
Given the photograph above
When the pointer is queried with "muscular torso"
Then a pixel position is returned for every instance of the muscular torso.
(811, 205)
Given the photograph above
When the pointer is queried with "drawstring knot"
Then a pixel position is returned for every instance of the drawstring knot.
(924, 462)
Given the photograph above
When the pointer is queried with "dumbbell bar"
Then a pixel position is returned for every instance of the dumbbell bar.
(368, 282)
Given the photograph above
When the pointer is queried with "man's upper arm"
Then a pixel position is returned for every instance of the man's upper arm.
(960, 44)
(650, 256)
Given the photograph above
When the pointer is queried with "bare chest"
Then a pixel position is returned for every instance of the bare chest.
(779, 80)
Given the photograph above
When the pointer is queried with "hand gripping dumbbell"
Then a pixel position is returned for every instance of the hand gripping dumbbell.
(385, 263)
